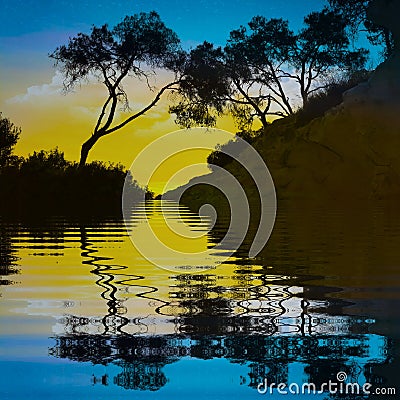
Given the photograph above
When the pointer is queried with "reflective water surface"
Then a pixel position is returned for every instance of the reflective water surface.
(84, 315)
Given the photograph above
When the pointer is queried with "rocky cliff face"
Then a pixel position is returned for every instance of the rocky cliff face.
(352, 152)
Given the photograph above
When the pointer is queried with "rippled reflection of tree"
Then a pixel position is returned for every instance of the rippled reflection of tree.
(8, 259)
(141, 376)
(143, 357)
(114, 321)
(205, 306)
(239, 323)
(111, 277)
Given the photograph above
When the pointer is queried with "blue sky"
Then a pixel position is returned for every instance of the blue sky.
(193, 20)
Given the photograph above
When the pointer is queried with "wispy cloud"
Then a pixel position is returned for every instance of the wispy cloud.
(47, 89)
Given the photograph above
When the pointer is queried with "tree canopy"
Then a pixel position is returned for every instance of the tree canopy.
(9, 135)
(356, 13)
(134, 47)
(248, 77)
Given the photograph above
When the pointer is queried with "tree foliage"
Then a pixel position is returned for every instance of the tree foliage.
(239, 79)
(257, 56)
(134, 47)
(356, 13)
(322, 47)
(248, 78)
(205, 88)
(9, 135)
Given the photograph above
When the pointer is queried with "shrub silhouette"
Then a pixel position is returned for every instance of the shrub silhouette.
(322, 101)
(46, 182)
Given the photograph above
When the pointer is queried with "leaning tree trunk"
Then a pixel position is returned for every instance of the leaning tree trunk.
(86, 147)
(263, 120)
(304, 97)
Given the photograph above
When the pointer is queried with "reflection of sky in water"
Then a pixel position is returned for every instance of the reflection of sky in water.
(88, 317)
(216, 379)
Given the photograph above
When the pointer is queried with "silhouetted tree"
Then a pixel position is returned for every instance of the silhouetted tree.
(247, 77)
(356, 12)
(322, 47)
(132, 48)
(261, 51)
(206, 89)
(219, 81)
(9, 135)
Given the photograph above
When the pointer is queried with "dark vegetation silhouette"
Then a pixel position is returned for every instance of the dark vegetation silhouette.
(246, 78)
(9, 135)
(133, 48)
(45, 182)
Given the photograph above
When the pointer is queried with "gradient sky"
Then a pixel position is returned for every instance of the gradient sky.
(30, 92)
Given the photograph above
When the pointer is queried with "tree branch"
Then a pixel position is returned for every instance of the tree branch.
(251, 102)
(102, 113)
(282, 93)
(141, 112)
(319, 88)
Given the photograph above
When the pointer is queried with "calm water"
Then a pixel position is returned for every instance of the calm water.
(83, 315)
